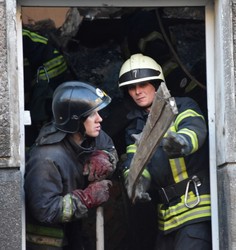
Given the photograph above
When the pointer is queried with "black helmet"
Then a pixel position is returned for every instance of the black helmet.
(74, 101)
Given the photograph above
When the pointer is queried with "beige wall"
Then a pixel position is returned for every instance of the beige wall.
(33, 14)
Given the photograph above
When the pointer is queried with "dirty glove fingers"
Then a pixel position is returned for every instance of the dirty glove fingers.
(95, 194)
(171, 142)
(143, 185)
(142, 197)
(102, 189)
(137, 138)
(99, 166)
(105, 183)
(86, 169)
(99, 172)
(176, 145)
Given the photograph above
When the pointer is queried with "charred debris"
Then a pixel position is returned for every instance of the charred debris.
(96, 41)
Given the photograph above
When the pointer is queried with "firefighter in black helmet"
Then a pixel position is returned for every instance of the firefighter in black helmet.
(177, 176)
(73, 102)
(68, 169)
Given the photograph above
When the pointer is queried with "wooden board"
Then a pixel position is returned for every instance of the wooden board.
(162, 114)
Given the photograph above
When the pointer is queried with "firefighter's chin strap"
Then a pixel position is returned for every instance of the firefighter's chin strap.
(174, 53)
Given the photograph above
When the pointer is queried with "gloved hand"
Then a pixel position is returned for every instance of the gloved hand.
(99, 166)
(137, 138)
(142, 186)
(176, 145)
(95, 194)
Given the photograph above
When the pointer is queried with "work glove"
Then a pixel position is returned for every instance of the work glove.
(95, 194)
(176, 145)
(100, 165)
(143, 184)
(137, 138)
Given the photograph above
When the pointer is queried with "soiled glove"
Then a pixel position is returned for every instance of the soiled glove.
(137, 138)
(141, 194)
(176, 145)
(95, 194)
(99, 166)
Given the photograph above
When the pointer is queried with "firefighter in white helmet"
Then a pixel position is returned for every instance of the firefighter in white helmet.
(139, 68)
(177, 176)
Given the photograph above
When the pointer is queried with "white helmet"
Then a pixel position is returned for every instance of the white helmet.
(140, 68)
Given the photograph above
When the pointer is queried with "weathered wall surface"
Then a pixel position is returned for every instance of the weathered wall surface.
(10, 177)
(10, 210)
(4, 88)
(10, 154)
(225, 126)
(227, 197)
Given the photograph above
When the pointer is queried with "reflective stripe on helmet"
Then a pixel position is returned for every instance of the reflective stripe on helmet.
(137, 74)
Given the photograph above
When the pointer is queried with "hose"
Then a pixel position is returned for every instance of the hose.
(175, 54)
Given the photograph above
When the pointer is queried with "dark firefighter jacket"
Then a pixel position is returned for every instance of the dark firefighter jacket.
(45, 68)
(53, 170)
(172, 177)
(39, 51)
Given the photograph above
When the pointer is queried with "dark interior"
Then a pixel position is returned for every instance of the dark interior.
(175, 38)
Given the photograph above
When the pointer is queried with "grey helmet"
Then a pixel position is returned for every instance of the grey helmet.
(73, 102)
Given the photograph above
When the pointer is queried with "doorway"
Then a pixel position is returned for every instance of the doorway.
(105, 30)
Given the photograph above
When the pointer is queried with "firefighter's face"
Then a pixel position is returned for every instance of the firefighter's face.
(142, 93)
(92, 124)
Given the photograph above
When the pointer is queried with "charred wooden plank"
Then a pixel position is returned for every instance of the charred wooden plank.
(162, 114)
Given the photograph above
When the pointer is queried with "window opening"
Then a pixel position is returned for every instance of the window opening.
(93, 43)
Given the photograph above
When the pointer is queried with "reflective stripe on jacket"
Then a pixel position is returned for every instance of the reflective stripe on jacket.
(42, 235)
(38, 52)
(167, 172)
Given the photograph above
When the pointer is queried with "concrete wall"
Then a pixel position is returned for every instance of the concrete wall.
(226, 121)
(10, 136)
(227, 206)
(10, 209)
(11, 127)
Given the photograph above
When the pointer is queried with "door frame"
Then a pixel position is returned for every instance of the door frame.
(211, 67)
